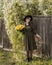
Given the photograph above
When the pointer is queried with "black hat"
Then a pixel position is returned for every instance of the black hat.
(28, 17)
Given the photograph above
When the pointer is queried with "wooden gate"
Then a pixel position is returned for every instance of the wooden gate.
(44, 26)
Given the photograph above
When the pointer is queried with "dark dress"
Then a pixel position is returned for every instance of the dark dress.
(30, 31)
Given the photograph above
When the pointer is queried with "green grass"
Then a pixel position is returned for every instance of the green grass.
(6, 58)
(36, 61)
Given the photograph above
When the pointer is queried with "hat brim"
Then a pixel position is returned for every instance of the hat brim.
(28, 16)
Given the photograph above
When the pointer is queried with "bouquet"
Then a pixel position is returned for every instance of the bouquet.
(19, 27)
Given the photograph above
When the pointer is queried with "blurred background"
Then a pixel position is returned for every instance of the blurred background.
(12, 13)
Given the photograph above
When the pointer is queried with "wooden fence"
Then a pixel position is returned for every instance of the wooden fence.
(4, 40)
(44, 26)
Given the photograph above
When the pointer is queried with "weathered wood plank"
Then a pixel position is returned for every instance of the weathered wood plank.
(45, 30)
(4, 40)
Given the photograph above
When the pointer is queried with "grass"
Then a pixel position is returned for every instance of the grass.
(6, 59)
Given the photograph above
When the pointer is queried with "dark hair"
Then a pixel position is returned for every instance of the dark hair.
(28, 16)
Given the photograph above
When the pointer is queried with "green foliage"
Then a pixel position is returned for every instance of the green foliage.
(1, 8)
(49, 11)
(47, 6)
(6, 59)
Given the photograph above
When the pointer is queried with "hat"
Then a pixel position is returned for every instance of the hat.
(28, 16)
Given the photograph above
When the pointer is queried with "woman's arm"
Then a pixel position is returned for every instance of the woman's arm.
(38, 36)
(24, 29)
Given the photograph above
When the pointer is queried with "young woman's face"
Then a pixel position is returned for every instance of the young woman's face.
(28, 19)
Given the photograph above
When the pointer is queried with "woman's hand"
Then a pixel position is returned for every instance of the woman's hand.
(38, 36)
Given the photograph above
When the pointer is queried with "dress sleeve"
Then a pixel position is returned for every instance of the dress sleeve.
(23, 30)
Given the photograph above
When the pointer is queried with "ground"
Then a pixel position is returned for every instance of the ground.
(6, 59)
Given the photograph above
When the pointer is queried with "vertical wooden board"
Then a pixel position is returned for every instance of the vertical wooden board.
(1, 21)
(6, 42)
(36, 21)
(47, 36)
(44, 30)
(51, 37)
(0, 34)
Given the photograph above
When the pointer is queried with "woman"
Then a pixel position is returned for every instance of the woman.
(30, 32)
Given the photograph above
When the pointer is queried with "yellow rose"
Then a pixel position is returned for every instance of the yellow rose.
(19, 27)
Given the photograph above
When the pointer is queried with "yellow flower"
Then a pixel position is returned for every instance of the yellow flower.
(19, 27)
